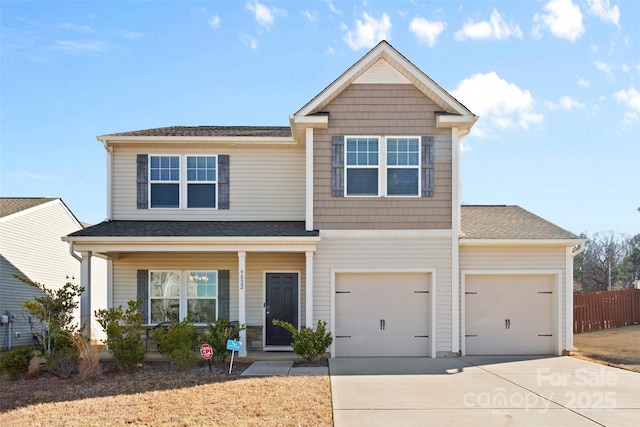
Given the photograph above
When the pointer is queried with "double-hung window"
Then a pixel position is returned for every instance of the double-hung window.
(403, 166)
(201, 181)
(382, 166)
(362, 166)
(164, 178)
(174, 295)
(183, 181)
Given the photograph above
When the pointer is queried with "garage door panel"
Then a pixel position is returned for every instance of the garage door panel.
(509, 314)
(381, 314)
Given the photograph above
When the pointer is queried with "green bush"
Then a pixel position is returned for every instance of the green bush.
(307, 343)
(16, 361)
(54, 308)
(124, 334)
(179, 341)
(217, 335)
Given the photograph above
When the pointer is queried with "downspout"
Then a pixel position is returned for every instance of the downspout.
(72, 252)
(571, 254)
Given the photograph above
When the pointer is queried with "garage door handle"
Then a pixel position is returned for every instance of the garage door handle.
(380, 324)
(507, 323)
(384, 324)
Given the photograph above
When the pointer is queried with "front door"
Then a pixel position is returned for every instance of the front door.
(281, 304)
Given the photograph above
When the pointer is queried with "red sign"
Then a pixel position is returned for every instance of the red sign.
(206, 351)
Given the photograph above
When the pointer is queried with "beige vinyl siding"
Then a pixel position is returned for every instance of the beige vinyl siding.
(125, 275)
(31, 246)
(386, 253)
(531, 259)
(382, 110)
(265, 184)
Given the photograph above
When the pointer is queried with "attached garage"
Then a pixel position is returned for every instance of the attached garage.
(510, 314)
(383, 314)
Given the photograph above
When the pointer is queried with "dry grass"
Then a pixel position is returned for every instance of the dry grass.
(619, 347)
(160, 396)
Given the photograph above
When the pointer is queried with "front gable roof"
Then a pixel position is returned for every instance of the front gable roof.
(383, 59)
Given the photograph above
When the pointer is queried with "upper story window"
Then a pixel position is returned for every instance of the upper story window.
(382, 166)
(164, 176)
(201, 181)
(176, 181)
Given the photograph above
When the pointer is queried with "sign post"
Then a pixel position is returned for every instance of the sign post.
(207, 353)
(234, 346)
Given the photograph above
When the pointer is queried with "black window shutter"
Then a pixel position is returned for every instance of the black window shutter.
(427, 166)
(143, 293)
(143, 181)
(223, 181)
(337, 166)
(223, 294)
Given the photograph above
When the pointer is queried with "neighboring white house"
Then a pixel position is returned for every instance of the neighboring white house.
(350, 215)
(31, 246)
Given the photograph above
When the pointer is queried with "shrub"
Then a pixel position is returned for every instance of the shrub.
(88, 357)
(179, 341)
(55, 310)
(124, 334)
(217, 335)
(307, 343)
(16, 361)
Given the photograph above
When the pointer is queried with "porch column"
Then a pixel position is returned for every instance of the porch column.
(85, 298)
(309, 290)
(242, 298)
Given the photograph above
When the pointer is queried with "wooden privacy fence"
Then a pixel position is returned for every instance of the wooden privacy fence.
(605, 309)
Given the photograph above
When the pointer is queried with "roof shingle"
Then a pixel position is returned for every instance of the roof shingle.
(212, 131)
(508, 223)
(197, 229)
(11, 205)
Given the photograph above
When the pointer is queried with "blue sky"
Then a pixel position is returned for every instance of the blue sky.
(556, 84)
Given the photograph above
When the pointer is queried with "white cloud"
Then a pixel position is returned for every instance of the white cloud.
(496, 28)
(82, 46)
(74, 27)
(214, 21)
(368, 32)
(625, 68)
(603, 10)
(250, 41)
(583, 82)
(311, 16)
(630, 118)
(330, 50)
(565, 103)
(265, 16)
(334, 9)
(563, 19)
(605, 68)
(630, 97)
(427, 31)
(501, 105)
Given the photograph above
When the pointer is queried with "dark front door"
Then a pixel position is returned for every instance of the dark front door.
(281, 304)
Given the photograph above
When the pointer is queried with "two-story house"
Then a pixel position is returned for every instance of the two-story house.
(350, 215)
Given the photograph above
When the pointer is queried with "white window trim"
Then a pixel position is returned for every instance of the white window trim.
(183, 183)
(383, 167)
(183, 298)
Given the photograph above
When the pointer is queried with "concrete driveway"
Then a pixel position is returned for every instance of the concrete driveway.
(482, 391)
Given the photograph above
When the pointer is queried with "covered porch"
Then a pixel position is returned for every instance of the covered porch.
(254, 266)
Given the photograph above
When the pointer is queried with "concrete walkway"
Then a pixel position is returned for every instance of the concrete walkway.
(281, 367)
(482, 391)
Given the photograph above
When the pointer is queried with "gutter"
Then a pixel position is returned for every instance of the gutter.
(578, 250)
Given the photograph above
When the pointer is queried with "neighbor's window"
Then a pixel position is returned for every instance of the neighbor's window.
(175, 294)
(164, 173)
(201, 181)
(403, 166)
(164, 296)
(362, 166)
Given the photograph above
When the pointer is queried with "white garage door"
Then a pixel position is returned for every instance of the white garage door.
(509, 314)
(382, 314)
